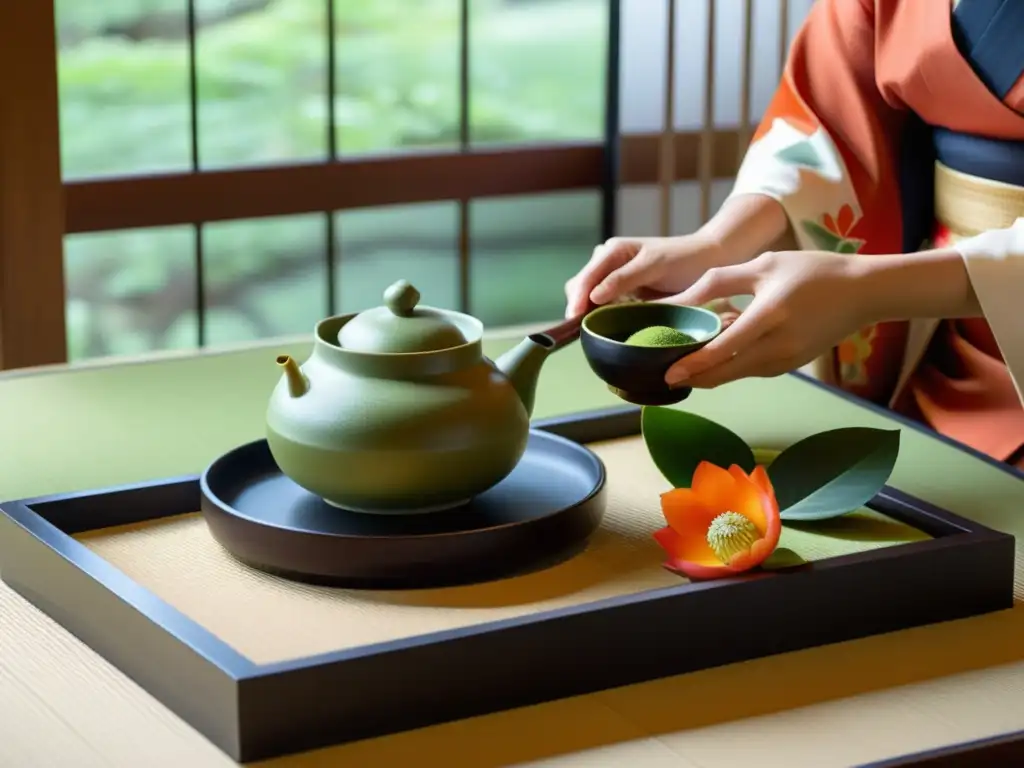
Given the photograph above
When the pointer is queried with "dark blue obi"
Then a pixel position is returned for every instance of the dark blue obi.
(990, 37)
(994, 159)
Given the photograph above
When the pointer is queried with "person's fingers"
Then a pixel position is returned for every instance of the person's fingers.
(745, 333)
(606, 258)
(572, 287)
(722, 307)
(627, 277)
(763, 359)
(718, 283)
(728, 318)
(726, 312)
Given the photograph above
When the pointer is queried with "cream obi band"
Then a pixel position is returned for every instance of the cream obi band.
(969, 205)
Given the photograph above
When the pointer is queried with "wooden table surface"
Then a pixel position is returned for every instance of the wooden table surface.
(842, 705)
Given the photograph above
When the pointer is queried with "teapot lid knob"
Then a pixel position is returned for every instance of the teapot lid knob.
(400, 326)
(401, 298)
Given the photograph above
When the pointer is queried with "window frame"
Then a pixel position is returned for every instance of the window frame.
(37, 207)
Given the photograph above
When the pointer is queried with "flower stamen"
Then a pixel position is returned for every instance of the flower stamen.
(730, 534)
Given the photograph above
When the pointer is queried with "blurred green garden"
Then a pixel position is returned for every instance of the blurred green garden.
(537, 75)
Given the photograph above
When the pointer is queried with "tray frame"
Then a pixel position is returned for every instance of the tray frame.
(1000, 750)
(235, 703)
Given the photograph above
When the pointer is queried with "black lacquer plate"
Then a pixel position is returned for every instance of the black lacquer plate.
(542, 513)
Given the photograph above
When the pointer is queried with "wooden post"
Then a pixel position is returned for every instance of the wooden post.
(667, 155)
(32, 330)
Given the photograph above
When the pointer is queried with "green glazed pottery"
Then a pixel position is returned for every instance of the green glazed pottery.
(397, 410)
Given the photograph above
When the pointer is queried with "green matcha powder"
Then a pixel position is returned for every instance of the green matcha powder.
(659, 336)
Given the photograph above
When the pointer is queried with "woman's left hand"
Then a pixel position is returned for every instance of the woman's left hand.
(805, 303)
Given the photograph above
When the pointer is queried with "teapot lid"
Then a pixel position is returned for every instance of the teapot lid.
(400, 326)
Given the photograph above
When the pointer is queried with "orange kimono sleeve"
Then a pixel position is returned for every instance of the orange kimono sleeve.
(828, 151)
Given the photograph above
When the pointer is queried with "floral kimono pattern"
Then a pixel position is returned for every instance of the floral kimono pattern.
(833, 145)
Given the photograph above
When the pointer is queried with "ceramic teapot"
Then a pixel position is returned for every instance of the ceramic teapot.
(398, 411)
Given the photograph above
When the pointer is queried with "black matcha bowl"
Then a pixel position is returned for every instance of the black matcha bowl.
(637, 374)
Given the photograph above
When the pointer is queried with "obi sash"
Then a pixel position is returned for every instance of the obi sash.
(961, 387)
(988, 34)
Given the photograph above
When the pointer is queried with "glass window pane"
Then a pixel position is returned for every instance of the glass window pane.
(376, 247)
(397, 74)
(130, 292)
(264, 278)
(523, 251)
(686, 203)
(642, 65)
(262, 81)
(537, 70)
(123, 69)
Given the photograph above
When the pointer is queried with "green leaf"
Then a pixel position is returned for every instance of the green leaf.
(678, 441)
(782, 559)
(827, 241)
(833, 473)
(850, 245)
(802, 154)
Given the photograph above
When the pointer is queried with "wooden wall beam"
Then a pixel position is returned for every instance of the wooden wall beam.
(32, 328)
(242, 193)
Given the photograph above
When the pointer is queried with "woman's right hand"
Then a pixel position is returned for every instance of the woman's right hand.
(646, 267)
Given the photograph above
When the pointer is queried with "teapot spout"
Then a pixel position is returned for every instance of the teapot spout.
(298, 385)
(522, 365)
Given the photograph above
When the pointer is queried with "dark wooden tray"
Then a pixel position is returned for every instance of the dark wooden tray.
(255, 711)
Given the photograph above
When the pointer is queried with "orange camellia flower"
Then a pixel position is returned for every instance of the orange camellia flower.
(725, 523)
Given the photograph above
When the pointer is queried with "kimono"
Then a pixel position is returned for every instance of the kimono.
(899, 126)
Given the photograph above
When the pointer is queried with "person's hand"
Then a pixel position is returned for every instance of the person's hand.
(805, 303)
(648, 268)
